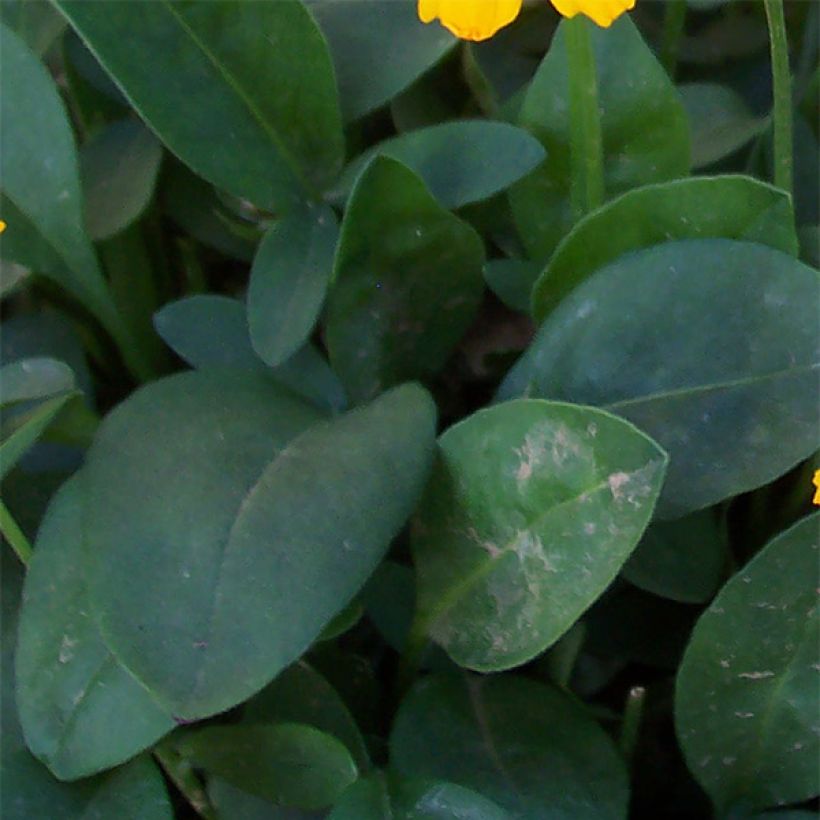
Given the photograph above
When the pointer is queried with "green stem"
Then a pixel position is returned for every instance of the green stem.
(781, 82)
(412, 655)
(586, 147)
(182, 775)
(633, 714)
(14, 535)
(674, 22)
(562, 657)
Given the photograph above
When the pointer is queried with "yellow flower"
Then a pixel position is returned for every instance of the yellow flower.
(816, 482)
(480, 19)
(2, 226)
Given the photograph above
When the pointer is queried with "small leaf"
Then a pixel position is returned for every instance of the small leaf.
(525, 746)
(70, 688)
(709, 346)
(289, 764)
(190, 592)
(531, 511)
(119, 170)
(407, 282)
(643, 123)
(35, 378)
(746, 698)
(729, 207)
(460, 162)
(289, 280)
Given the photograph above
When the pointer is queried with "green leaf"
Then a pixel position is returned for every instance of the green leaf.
(708, 346)
(188, 593)
(35, 378)
(134, 792)
(237, 804)
(390, 797)
(236, 112)
(511, 280)
(746, 698)
(643, 124)
(299, 694)
(70, 688)
(729, 207)
(289, 280)
(378, 49)
(289, 763)
(407, 282)
(460, 162)
(35, 21)
(41, 197)
(530, 513)
(720, 121)
(682, 560)
(525, 746)
(119, 168)
(209, 331)
(28, 429)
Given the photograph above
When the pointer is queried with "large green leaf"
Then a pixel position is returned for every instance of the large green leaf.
(41, 197)
(134, 792)
(525, 746)
(644, 130)
(238, 111)
(378, 49)
(35, 21)
(289, 280)
(232, 803)
(460, 162)
(709, 346)
(288, 763)
(301, 695)
(389, 797)
(746, 698)
(407, 282)
(729, 207)
(70, 689)
(531, 511)
(209, 580)
(119, 170)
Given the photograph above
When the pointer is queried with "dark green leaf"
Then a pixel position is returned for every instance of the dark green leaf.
(288, 763)
(35, 21)
(236, 111)
(289, 280)
(709, 346)
(407, 282)
(511, 280)
(70, 688)
(729, 207)
(207, 598)
(119, 170)
(746, 701)
(525, 746)
(134, 792)
(530, 513)
(35, 378)
(460, 162)
(235, 804)
(378, 49)
(644, 129)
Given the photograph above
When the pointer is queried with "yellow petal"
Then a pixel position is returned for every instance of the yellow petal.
(603, 12)
(816, 482)
(470, 19)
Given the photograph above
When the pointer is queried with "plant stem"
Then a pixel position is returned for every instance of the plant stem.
(14, 535)
(633, 713)
(412, 656)
(674, 21)
(781, 83)
(586, 147)
(181, 774)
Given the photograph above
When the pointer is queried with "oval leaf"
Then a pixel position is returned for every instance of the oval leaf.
(70, 688)
(266, 538)
(35, 378)
(460, 162)
(289, 279)
(729, 207)
(136, 792)
(407, 282)
(746, 698)
(525, 746)
(643, 124)
(289, 764)
(278, 131)
(531, 511)
(641, 337)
